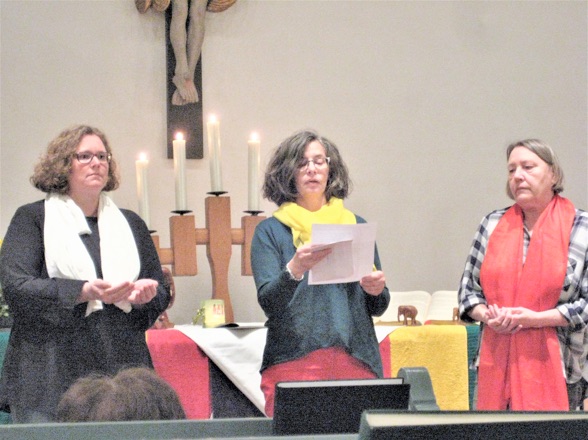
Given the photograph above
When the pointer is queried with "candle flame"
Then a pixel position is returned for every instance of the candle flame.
(212, 118)
(179, 136)
(254, 136)
(143, 156)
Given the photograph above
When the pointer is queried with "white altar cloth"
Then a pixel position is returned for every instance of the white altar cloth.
(238, 352)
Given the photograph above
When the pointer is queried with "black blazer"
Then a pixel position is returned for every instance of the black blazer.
(52, 343)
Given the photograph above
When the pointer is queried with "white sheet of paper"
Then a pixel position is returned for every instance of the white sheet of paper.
(352, 255)
(320, 247)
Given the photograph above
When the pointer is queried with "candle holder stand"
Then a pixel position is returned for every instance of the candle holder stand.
(219, 237)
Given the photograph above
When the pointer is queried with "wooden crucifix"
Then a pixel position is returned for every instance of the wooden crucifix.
(184, 25)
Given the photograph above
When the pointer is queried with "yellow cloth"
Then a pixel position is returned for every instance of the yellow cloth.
(442, 350)
(300, 220)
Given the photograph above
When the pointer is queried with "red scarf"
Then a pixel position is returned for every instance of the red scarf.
(523, 371)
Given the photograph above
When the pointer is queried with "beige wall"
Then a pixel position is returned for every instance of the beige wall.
(421, 97)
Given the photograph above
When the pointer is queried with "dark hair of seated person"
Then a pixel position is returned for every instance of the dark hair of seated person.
(132, 394)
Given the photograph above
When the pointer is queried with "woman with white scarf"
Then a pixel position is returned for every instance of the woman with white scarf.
(82, 279)
(315, 332)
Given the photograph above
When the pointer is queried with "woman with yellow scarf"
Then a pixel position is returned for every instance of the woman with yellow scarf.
(315, 332)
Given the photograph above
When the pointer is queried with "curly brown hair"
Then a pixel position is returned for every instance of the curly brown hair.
(135, 393)
(51, 173)
(279, 184)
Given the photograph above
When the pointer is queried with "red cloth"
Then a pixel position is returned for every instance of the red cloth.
(178, 360)
(523, 371)
(386, 356)
(324, 364)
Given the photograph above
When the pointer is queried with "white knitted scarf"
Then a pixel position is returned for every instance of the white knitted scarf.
(66, 255)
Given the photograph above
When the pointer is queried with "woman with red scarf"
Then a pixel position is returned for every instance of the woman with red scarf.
(526, 281)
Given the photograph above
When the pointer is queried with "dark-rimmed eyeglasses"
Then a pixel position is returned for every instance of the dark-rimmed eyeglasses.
(318, 162)
(86, 157)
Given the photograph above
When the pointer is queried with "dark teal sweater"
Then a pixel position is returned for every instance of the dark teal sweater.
(303, 318)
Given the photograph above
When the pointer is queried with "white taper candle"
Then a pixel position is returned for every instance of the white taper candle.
(254, 166)
(214, 151)
(179, 147)
(142, 192)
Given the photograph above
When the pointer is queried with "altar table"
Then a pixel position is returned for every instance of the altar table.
(179, 361)
(181, 355)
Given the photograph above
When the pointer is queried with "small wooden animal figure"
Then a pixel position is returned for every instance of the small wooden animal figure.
(408, 313)
(455, 314)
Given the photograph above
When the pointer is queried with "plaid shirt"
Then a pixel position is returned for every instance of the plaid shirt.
(573, 299)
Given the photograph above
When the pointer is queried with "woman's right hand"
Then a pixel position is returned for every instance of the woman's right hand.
(305, 258)
(501, 320)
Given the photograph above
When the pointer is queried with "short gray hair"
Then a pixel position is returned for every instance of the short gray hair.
(546, 154)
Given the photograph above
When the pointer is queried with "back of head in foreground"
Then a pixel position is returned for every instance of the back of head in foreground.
(132, 394)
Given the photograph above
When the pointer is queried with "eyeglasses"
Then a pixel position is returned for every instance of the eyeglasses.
(319, 162)
(86, 157)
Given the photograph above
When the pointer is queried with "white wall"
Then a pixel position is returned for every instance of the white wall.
(421, 97)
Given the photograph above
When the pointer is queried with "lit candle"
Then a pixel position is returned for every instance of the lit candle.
(214, 151)
(254, 165)
(179, 145)
(141, 168)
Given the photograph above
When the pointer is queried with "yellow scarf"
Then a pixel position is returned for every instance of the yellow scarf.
(300, 220)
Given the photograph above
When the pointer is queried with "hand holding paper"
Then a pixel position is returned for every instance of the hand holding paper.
(352, 252)
(373, 283)
(306, 257)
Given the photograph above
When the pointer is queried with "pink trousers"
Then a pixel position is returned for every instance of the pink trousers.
(324, 364)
